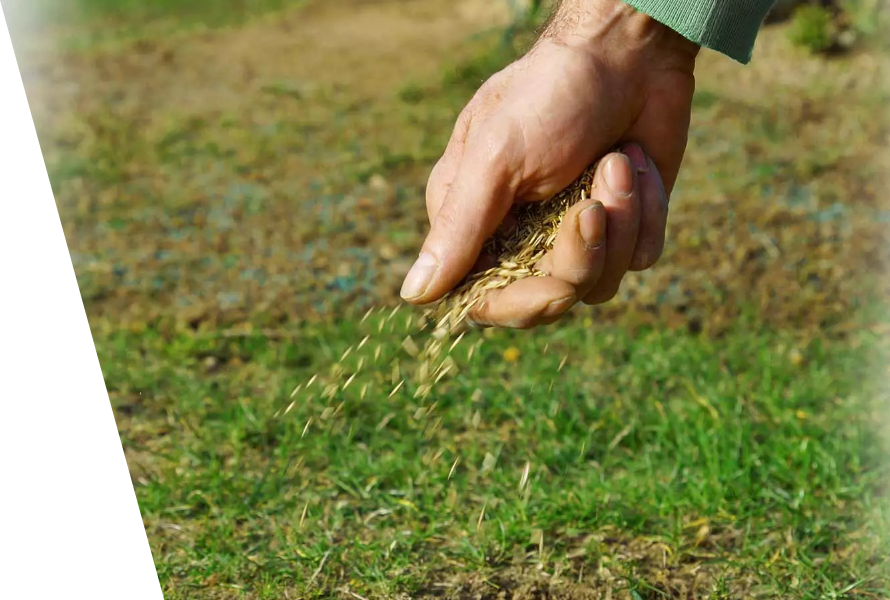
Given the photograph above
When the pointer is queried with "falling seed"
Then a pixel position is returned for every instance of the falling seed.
(363, 342)
(453, 467)
(312, 380)
(348, 381)
(306, 428)
(377, 353)
(361, 363)
(383, 423)
(345, 354)
(367, 314)
(562, 363)
(363, 392)
(410, 347)
(457, 341)
(444, 372)
(524, 479)
(423, 372)
(394, 311)
(380, 326)
(289, 407)
(481, 515)
(393, 393)
(296, 389)
(303, 516)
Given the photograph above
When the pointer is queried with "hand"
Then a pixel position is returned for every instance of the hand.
(601, 75)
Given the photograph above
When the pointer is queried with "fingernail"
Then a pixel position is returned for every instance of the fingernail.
(593, 226)
(558, 307)
(618, 177)
(637, 157)
(418, 278)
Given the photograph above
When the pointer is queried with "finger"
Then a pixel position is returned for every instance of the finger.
(665, 139)
(445, 170)
(475, 205)
(525, 303)
(653, 214)
(579, 253)
(615, 186)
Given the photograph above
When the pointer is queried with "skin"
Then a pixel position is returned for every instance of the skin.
(601, 76)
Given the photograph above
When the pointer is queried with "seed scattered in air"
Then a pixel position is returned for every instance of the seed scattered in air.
(410, 347)
(303, 516)
(453, 467)
(524, 479)
(397, 388)
(457, 341)
(348, 381)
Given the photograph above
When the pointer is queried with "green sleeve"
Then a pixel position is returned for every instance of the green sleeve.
(726, 26)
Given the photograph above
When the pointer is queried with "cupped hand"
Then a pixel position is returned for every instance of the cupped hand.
(601, 76)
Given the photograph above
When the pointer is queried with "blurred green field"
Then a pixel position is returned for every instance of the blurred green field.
(239, 182)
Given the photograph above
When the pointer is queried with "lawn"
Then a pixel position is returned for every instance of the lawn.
(240, 182)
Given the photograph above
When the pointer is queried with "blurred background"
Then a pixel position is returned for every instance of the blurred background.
(239, 181)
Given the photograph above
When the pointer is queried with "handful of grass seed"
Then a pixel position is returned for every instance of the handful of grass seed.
(517, 254)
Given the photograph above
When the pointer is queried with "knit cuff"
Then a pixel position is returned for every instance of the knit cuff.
(726, 26)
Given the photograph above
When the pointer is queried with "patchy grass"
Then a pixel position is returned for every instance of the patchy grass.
(658, 462)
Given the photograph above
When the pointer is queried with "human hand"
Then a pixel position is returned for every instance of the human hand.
(601, 75)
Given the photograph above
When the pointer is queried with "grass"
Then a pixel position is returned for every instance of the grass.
(717, 429)
(754, 457)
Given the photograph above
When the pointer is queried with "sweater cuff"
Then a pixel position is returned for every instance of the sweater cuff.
(726, 26)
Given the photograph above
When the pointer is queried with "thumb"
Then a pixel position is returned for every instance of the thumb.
(476, 202)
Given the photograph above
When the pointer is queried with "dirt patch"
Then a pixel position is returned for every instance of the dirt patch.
(356, 47)
(619, 569)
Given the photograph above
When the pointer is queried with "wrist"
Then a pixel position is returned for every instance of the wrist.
(597, 25)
